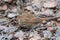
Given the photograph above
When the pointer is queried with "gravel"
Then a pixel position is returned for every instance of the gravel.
(29, 19)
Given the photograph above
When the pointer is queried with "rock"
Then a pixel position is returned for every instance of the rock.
(50, 28)
(28, 2)
(48, 12)
(34, 36)
(36, 4)
(50, 23)
(3, 20)
(58, 38)
(29, 8)
(58, 23)
(4, 7)
(36, 13)
(13, 9)
(57, 14)
(5, 37)
(49, 4)
(10, 36)
(58, 19)
(8, 1)
(11, 15)
(58, 4)
(57, 32)
(3, 27)
(20, 35)
(47, 34)
(2, 14)
(10, 29)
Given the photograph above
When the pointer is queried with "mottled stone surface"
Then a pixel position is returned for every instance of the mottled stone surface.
(29, 19)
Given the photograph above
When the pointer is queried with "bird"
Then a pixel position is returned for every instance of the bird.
(29, 19)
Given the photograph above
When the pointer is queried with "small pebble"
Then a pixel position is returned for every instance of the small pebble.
(11, 15)
(50, 4)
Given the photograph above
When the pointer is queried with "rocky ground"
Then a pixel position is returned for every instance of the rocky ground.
(29, 19)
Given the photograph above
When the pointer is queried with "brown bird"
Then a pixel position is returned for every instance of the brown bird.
(29, 19)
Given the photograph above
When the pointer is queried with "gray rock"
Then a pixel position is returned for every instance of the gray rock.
(57, 32)
(10, 29)
(58, 19)
(47, 34)
(48, 12)
(49, 4)
(3, 20)
(11, 15)
(57, 14)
